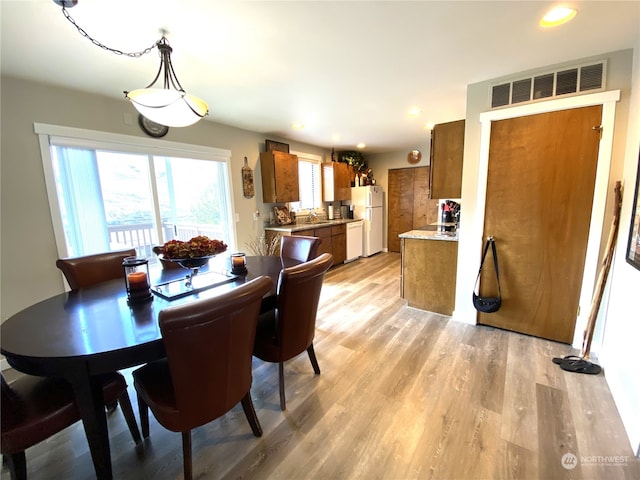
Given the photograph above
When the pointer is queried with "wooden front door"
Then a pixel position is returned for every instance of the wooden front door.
(540, 188)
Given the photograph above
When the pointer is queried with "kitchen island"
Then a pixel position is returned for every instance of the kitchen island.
(428, 275)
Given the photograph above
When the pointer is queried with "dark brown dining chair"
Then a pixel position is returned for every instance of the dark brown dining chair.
(299, 247)
(287, 331)
(89, 270)
(207, 370)
(35, 408)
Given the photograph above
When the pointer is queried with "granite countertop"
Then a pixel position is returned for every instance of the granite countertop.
(295, 227)
(430, 235)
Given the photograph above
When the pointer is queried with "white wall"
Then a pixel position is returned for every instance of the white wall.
(621, 325)
(28, 251)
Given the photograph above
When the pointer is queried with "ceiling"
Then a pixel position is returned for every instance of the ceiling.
(348, 70)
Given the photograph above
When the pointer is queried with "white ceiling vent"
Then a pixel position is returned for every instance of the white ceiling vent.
(569, 81)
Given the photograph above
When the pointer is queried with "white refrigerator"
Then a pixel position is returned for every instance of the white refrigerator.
(367, 204)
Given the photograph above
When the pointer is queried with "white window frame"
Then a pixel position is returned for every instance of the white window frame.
(311, 158)
(127, 143)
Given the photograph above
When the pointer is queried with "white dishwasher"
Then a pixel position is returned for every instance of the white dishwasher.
(355, 232)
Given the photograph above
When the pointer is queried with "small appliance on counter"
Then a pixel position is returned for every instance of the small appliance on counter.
(448, 215)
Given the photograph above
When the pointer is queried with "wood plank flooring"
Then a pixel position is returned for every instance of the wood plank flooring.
(403, 394)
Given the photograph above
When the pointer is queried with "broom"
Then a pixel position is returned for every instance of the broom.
(582, 364)
(604, 273)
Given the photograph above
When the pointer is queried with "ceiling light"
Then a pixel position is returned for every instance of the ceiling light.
(169, 105)
(361, 145)
(297, 126)
(558, 16)
(429, 126)
(414, 111)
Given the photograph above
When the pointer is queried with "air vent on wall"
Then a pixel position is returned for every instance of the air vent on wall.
(569, 81)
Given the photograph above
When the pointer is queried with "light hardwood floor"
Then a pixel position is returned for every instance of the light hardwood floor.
(403, 394)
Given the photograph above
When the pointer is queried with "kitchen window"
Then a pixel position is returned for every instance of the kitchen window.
(310, 183)
(110, 192)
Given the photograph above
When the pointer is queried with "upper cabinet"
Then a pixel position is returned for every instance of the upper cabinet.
(336, 181)
(447, 149)
(279, 177)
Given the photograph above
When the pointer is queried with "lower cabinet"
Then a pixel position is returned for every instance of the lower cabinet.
(333, 240)
(429, 274)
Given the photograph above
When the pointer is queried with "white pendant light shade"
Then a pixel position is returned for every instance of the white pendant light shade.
(169, 107)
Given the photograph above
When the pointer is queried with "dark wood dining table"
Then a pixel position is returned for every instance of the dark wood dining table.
(78, 335)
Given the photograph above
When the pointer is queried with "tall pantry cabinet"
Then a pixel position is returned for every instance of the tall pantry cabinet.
(410, 206)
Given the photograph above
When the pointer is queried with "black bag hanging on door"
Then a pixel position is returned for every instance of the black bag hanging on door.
(488, 304)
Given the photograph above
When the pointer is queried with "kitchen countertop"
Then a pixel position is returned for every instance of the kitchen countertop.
(430, 235)
(295, 227)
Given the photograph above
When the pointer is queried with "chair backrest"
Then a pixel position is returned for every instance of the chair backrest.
(89, 270)
(297, 304)
(36, 409)
(209, 345)
(299, 247)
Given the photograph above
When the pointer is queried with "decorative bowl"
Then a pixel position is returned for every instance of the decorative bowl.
(189, 263)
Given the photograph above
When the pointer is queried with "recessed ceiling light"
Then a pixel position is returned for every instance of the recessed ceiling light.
(361, 145)
(414, 111)
(297, 125)
(429, 126)
(558, 16)
(335, 137)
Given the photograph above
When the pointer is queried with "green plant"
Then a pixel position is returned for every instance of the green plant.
(355, 159)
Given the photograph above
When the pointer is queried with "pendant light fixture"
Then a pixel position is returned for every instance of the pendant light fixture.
(167, 104)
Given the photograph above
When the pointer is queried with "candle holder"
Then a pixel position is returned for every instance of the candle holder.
(136, 278)
(238, 263)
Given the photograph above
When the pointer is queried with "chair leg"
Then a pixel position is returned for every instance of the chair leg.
(250, 413)
(17, 463)
(143, 410)
(283, 403)
(186, 455)
(127, 411)
(111, 407)
(314, 360)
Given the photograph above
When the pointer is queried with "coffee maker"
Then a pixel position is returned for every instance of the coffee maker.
(448, 215)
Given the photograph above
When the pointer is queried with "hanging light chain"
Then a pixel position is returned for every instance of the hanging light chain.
(101, 45)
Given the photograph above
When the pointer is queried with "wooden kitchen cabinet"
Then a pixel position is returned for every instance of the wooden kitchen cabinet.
(339, 244)
(333, 240)
(410, 205)
(336, 181)
(429, 274)
(447, 150)
(279, 177)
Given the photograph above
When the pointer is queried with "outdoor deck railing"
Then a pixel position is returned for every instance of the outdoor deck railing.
(142, 236)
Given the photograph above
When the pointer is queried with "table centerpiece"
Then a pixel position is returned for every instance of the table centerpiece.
(192, 254)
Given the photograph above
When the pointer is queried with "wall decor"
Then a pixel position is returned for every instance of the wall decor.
(282, 215)
(633, 249)
(273, 146)
(247, 180)
(414, 156)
